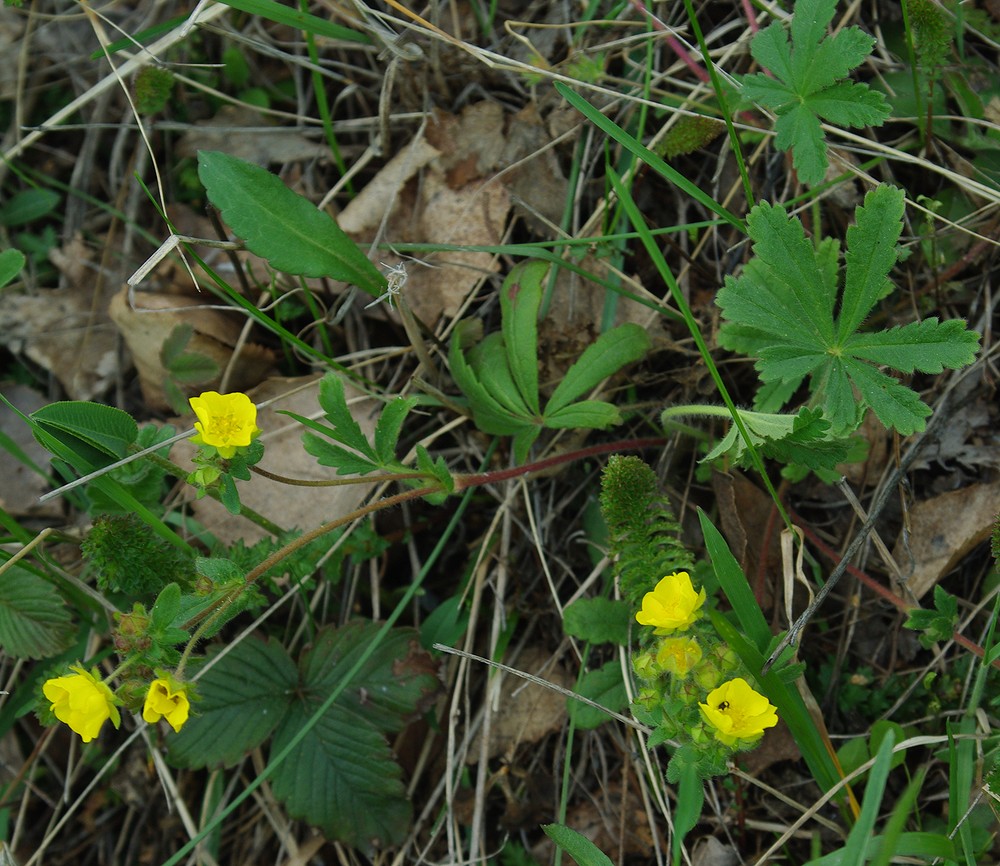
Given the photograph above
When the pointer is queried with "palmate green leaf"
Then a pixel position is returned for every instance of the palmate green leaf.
(281, 226)
(244, 697)
(499, 373)
(34, 622)
(347, 431)
(781, 311)
(493, 365)
(807, 68)
(341, 776)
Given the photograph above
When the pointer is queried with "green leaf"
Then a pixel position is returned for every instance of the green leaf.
(781, 310)
(611, 351)
(603, 685)
(245, 695)
(871, 254)
(89, 428)
(938, 624)
(490, 416)
(11, 264)
(586, 415)
(346, 430)
(928, 346)
(184, 366)
(804, 439)
(864, 827)
(388, 428)
(520, 298)
(27, 206)
(798, 129)
(328, 454)
(34, 622)
(446, 624)
(598, 620)
(579, 847)
(341, 776)
(807, 69)
(928, 847)
(281, 226)
(166, 607)
(492, 365)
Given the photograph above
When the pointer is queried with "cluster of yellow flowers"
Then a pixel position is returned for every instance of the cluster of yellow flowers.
(227, 423)
(736, 714)
(85, 703)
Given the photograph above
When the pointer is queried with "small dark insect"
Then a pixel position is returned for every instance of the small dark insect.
(724, 705)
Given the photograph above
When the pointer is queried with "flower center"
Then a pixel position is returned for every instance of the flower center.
(226, 426)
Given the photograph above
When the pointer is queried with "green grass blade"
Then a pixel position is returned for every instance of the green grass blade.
(646, 155)
(305, 21)
(751, 649)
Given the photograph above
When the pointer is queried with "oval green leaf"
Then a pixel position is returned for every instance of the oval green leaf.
(281, 226)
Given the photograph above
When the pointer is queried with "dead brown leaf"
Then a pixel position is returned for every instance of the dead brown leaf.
(943, 531)
(750, 526)
(67, 333)
(147, 325)
(526, 711)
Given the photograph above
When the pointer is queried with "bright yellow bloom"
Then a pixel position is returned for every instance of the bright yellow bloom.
(166, 700)
(737, 712)
(82, 701)
(673, 605)
(225, 421)
(678, 655)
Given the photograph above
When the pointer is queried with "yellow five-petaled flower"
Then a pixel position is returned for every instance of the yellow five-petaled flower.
(225, 421)
(82, 701)
(166, 700)
(736, 712)
(673, 605)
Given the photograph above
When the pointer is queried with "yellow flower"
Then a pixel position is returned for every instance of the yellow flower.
(82, 701)
(672, 606)
(678, 655)
(168, 700)
(225, 421)
(737, 712)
